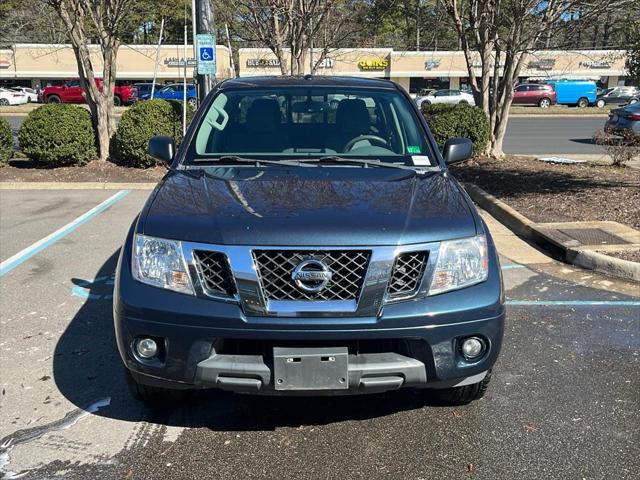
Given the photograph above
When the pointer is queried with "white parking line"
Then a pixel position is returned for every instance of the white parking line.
(12, 262)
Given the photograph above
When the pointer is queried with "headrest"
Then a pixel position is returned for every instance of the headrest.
(352, 116)
(263, 114)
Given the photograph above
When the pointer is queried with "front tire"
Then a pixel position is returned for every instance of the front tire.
(153, 396)
(600, 103)
(53, 99)
(193, 103)
(462, 395)
(583, 102)
(116, 101)
(4, 102)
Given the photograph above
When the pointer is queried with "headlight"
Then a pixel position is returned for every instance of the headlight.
(460, 263)
(160, 263)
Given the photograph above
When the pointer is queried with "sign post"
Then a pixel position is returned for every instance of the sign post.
(206, 46)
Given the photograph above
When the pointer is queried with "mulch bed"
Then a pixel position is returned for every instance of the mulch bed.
(25, 170)
(546, 192)
(631, 255)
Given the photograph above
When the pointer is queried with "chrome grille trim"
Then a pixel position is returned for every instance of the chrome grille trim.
(250, 296)
(348, 267)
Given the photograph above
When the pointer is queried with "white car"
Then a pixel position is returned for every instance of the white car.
(447, 96)
(10, 97)
(32, 95)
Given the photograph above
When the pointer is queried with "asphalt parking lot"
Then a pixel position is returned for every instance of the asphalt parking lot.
(564, 401)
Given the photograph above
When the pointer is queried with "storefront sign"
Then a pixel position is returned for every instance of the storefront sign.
(544, 64)
(595, 64)
(432, 64)
(263, 62)
(175, 62)
(325, 63)
(373, 64)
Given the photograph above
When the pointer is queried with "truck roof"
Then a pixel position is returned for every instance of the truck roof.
(307, 81)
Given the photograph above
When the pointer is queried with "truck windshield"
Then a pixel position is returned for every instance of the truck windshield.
(308, 122)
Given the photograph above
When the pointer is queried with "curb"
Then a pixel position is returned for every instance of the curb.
(76, 186)
(527, 229)
(559, 115)
(599, 262)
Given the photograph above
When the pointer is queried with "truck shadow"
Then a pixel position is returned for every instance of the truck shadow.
(88, 371)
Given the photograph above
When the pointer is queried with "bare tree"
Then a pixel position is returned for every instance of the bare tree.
(99, 20)
(496, 36)
(294, 26)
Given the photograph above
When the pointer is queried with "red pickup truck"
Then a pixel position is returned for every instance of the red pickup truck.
(71, 92)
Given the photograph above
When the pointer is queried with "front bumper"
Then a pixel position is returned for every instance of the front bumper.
(212, 344)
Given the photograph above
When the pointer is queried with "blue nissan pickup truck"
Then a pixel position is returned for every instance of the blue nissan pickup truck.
(308, 239)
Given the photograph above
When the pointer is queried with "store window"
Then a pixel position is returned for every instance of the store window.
(416, 84)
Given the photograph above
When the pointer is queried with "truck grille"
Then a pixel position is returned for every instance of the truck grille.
(348, 269)
(214, 272)
(406, 275)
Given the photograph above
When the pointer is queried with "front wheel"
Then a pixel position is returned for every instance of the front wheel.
(600, 103)
(462, 395)
(193, 103)
(463, 102)
(153, 396)
(53, 99)
(4, 102)
(583, 102)
(544, 103)
(116, 101)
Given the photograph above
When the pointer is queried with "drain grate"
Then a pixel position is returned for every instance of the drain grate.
(593, 236)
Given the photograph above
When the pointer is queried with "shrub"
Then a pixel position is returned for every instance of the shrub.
(621, 149)
(447, 121)
(58, 134)
(141, 122)
(6, 141)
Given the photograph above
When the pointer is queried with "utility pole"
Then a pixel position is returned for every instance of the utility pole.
(204, 26)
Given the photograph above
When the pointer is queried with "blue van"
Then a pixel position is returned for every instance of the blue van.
(575, 92)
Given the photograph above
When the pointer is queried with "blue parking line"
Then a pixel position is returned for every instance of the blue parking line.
(512, 266)
(33, 249)
(577, 303)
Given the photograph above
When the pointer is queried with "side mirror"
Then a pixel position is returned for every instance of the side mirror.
(457, 150)
(162, 148)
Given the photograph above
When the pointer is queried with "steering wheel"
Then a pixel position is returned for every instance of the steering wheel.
(371, 138)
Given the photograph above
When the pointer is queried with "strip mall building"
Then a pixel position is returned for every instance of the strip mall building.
(40, 65)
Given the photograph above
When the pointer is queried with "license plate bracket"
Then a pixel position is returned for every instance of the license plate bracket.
(311, 368)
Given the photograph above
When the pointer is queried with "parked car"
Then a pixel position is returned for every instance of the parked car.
(575, 92)
(624, 121)
(174, 91)
(72, 92)
(145, 88)
(32, 95)
(616, 96)
(12, 97)
(538, 94)
(249, 271)
(447, 96)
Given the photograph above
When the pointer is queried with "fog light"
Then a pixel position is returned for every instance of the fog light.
(472, 348)
(146, 348)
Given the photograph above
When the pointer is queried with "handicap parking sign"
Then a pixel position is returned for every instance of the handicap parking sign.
(206, 54)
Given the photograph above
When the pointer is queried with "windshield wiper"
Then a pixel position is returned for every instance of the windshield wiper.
(257, 162)
(368, 163)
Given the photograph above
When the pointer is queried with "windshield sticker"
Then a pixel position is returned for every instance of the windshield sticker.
(413, 149)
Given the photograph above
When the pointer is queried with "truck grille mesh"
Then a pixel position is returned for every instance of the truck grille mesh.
(215, 274)
(348, 268)
(406, 275)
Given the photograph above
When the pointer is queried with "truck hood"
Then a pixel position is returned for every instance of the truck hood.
(332, 206)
